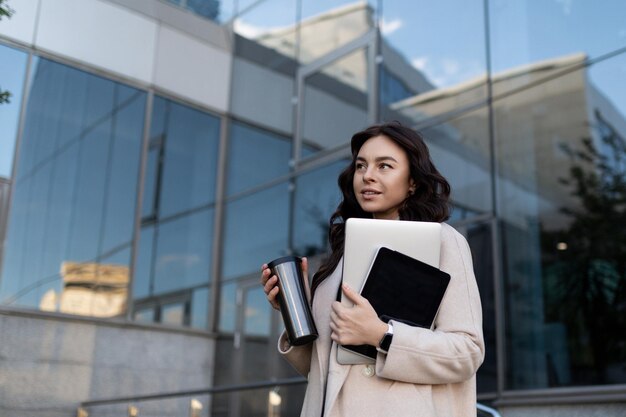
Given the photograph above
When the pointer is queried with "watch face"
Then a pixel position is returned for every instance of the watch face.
(384, 345)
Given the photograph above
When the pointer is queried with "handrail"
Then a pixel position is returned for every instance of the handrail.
(204, 391)
(488, 410)
(227, 388)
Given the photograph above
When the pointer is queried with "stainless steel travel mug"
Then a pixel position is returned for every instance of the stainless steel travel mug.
(294, 306)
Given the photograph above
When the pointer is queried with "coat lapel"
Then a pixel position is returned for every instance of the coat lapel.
(325, 349)
(337, 375)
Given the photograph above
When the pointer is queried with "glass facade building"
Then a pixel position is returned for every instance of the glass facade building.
(139, 201)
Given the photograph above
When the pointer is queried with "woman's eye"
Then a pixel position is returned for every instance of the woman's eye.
(360, 166)
(385, 166)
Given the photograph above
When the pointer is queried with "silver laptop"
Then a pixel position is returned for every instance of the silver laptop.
(420, 240)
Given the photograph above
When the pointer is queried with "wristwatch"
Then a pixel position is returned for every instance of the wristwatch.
(385, 342)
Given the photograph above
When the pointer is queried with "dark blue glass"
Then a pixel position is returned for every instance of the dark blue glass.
(190, 160)
(76, 180)
(144, 264)
(317, 197)
(255, 157)
(183, 252)
(255, 231)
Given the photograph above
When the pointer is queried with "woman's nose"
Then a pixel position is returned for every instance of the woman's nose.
(368, 175)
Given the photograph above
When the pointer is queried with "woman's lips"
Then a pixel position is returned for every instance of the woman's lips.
(367, 194)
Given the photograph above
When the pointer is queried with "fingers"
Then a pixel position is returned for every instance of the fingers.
(265, 273)
(352, 295)
(269, 286)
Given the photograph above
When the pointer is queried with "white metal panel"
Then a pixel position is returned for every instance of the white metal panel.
(21, 26)
(192, 69)
(256, 87)
(100, 34)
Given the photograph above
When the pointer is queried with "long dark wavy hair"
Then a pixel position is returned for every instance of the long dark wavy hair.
(429, 202)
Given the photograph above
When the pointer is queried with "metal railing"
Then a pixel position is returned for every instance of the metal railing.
(195, 407)
(487, 410)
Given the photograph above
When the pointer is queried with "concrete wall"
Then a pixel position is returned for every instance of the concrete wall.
(49, 365)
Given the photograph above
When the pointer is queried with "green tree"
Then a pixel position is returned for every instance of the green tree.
(5, 11)
(585, 281)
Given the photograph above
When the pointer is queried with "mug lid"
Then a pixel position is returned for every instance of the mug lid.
(283, 260)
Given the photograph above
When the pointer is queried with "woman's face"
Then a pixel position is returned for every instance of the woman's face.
(382, 177)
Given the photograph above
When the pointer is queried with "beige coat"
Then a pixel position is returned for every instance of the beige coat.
(426, 373)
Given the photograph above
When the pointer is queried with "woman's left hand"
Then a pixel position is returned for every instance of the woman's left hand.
(356, 325)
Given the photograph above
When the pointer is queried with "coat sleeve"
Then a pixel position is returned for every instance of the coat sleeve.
(298, 356)
(454, 350)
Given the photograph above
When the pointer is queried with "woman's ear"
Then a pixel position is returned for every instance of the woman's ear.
(412, 187)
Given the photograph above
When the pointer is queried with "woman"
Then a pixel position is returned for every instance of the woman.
(418, 372)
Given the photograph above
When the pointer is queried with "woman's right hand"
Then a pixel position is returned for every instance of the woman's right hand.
(269, 286)
(270, 282)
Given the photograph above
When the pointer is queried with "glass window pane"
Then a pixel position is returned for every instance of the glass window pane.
(97, 289)
(461, 151)
(121, 191)
(427, 68)
(269, 23)
(183, 252)
(89, 197)
(200, 308)
(59, 219)
(317, 197)
(248, 146)
(479, 237)
(534, 32)
(150, 183)
(144, 316)
(562, 147)
(256, 230)
(257, 313)
(142, 280)
(228, 307)
(336, 102)
(173, 314)
(13, 70)
(326, 26)
(190, 160)
(75, 184)
(111, 294)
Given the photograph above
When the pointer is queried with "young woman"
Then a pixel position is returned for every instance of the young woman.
(418, 372)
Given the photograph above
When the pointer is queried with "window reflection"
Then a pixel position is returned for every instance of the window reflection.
(183, 252)
(327, 26)
(317, 197)
(188, 170)
(209, 9)
(96, 289)
(255, 157)
(479, 237)
(173, 314)
(559, 191)
(256, 313)
(256, 230)
(270, 23)
(460, 149)
(427, 69)
(144, 265)
(336, 101)
(174, 257)
(13, 70)
(78, 165)
(228, 307)
(200, 308)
